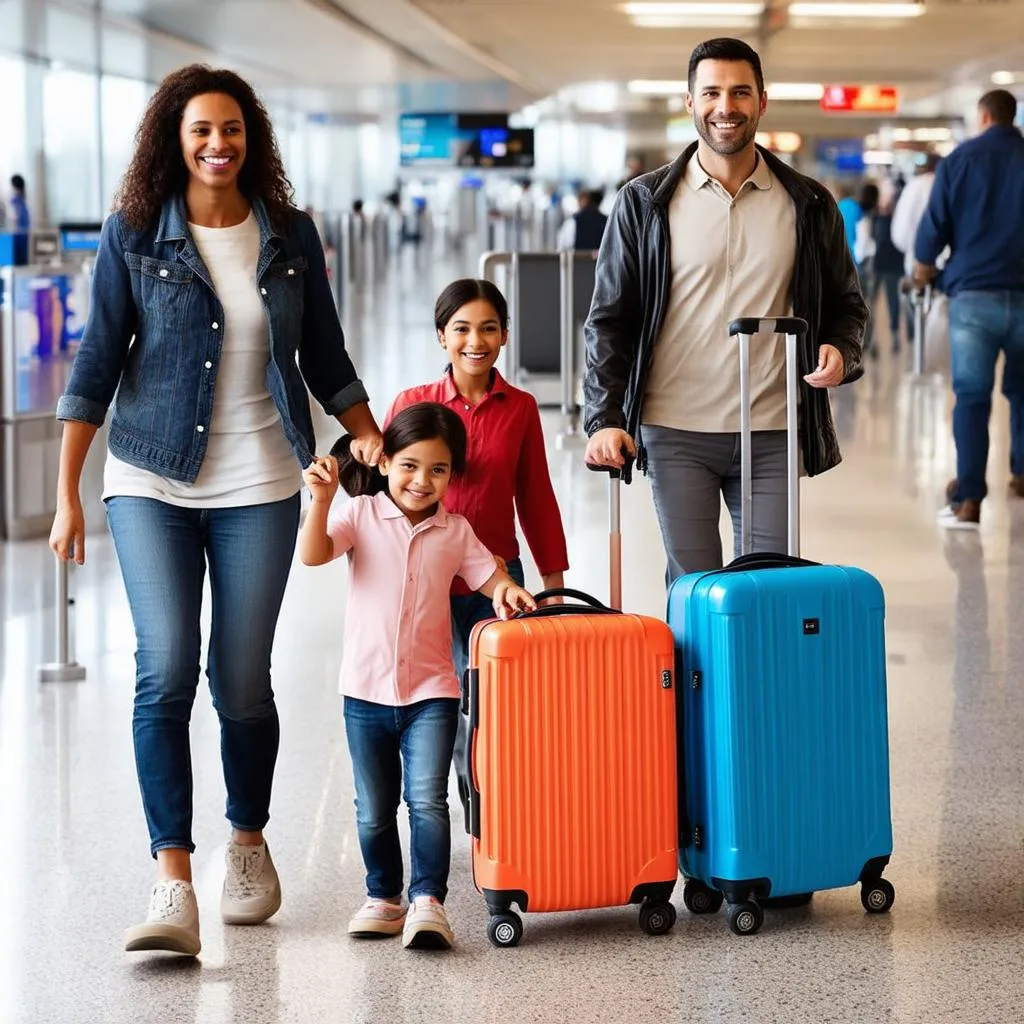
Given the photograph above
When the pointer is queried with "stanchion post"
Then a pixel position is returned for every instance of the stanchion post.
(63, 670)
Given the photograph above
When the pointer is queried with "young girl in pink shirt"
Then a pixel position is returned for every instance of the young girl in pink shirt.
(401, 691)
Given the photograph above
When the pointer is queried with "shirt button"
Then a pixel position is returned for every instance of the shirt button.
(215, 325)
(164, 272)
(467, 408)
(208, 364)
(200, 428)
(263, 291)
(291, 271)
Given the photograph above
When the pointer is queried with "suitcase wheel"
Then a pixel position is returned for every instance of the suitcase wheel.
(657, 918)
(877, 896)
(744, 918)
(505, 930)
(700, 899)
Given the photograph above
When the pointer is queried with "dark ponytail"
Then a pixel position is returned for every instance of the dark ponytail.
(424, 421)
(354, 477)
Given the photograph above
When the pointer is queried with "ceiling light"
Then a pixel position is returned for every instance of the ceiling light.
(656, 87)
(932, 134)
(855, 10)
(692, 21)
(795, 91)
(682, 10)
(1003, 78)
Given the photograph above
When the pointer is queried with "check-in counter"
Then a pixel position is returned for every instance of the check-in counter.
(42, 316)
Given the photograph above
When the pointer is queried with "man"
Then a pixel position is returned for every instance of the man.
(585, 228)
(977, 209)
(19, 207)
(726, 230)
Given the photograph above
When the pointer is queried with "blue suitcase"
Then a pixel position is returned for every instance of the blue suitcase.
(785, 758)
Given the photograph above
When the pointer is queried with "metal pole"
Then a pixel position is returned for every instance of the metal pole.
(62, 670)
(746, 477)
(615, 540)
(921, 300)
(567, 371)
(792, 447)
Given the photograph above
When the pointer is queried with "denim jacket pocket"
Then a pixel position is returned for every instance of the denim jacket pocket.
(162, 288)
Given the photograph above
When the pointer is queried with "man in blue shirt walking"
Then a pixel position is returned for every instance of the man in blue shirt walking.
(977, 209)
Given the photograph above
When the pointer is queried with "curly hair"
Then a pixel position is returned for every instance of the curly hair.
(157, 170)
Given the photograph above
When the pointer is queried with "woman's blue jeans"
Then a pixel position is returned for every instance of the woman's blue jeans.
(163, 551)
(390, 745)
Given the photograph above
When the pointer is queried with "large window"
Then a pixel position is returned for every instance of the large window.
(123, 101)
(13, 150)
(71, 146)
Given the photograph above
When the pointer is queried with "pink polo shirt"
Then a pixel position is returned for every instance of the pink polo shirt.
(398, 632)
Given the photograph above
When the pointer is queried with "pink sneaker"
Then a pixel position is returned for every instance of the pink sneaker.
(377, 918)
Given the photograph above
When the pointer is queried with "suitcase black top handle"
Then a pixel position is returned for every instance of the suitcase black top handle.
(768, 325)
(766, 560)
(588, 605)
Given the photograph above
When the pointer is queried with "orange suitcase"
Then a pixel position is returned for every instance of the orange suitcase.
(573, 788)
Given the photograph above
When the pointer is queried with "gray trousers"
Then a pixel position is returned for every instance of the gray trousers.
(691, 471)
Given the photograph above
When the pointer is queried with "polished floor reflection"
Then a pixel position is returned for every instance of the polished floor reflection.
(74, 869)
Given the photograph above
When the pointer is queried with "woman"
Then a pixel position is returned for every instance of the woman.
(207, 283)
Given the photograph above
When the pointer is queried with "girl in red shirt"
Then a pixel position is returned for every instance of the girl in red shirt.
(506, 465)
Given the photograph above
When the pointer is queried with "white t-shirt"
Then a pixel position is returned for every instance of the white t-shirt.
(248, 460)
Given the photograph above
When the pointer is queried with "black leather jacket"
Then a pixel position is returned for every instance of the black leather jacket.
(632, 288)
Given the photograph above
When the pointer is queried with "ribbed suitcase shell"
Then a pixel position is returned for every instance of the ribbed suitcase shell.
(785, 730)
(574, 759)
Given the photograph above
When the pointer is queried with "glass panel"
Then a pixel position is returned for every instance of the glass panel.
(123, 103)
(71, 146)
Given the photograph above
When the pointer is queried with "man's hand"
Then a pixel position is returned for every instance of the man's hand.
(605, 448)
(830, 370)
(923, 274)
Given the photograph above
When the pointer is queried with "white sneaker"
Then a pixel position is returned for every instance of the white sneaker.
(172, 923)
(377, 918)
(252, 890)
(426, 925)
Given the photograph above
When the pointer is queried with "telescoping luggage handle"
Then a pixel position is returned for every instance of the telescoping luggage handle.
(793, 327)
(614, 529)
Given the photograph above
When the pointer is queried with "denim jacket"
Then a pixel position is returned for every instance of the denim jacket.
(154, 336)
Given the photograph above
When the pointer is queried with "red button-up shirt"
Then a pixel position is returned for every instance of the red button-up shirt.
(506, 471)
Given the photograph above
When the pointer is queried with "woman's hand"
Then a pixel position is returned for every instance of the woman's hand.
(367, 448)
(509, 598)
(67, 535)
(321, 477)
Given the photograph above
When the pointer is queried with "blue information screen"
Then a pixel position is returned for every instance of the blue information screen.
(463, 140)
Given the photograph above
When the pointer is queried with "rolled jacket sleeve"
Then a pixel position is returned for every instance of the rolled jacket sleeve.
(108, 333)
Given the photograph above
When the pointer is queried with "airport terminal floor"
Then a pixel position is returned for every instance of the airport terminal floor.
(73, 857)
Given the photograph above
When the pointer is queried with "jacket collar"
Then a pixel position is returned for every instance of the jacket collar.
(173, 223)
(663, 183)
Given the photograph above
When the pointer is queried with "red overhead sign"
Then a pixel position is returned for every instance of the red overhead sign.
(865, 99)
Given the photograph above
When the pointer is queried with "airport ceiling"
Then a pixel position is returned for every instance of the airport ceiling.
(365, 57)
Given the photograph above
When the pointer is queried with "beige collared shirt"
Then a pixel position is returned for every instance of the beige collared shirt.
(731, 257)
